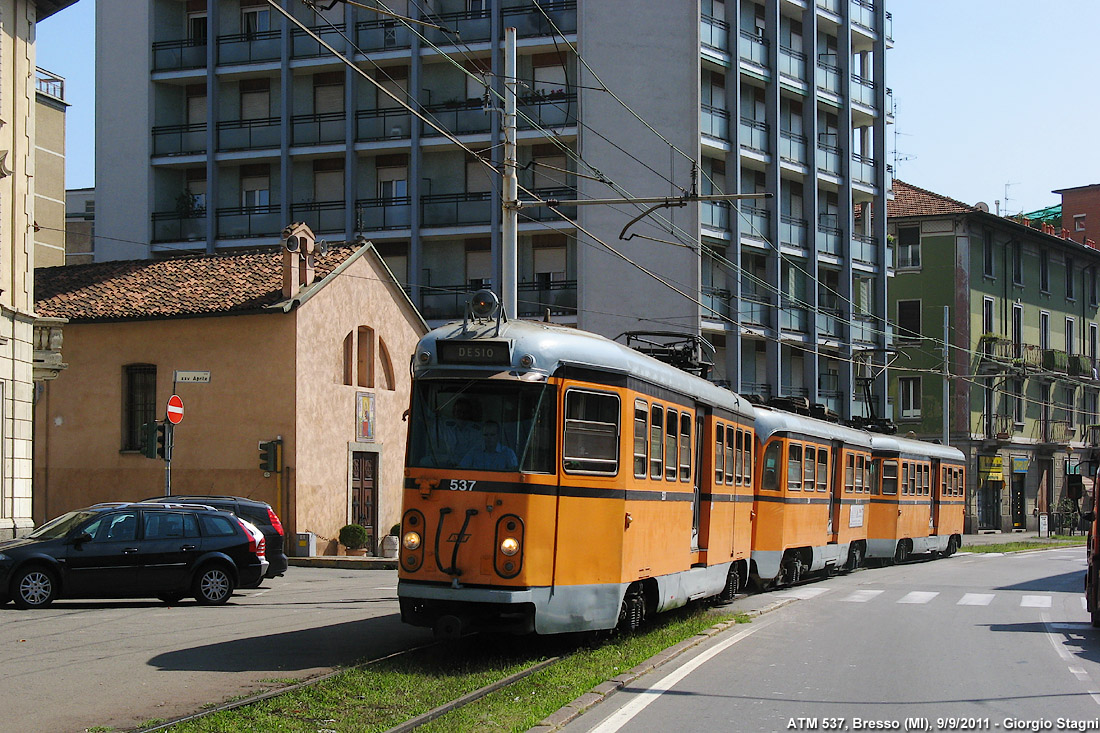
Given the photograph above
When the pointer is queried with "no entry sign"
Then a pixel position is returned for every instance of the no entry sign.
(175, 409)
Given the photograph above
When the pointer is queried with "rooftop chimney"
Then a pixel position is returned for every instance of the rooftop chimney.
(298, 246)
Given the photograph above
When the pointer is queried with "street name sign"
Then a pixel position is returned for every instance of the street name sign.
(192, 377)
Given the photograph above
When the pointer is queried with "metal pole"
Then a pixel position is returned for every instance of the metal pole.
(168, 431)
(946, 379)
(510, 223)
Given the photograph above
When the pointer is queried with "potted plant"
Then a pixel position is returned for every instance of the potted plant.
(355, 538)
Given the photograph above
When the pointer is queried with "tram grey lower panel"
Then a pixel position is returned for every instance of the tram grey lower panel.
(881, 548)
(678, 588)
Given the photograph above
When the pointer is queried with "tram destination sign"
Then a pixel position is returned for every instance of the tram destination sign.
(494, 353)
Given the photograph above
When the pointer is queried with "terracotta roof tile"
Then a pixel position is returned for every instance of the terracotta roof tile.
(912, 201)
(171, 288)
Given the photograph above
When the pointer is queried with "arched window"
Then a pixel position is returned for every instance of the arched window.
(349, 363)
(387, 366)
(365, 362)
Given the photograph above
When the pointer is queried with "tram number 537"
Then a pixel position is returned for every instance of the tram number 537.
(458, 484)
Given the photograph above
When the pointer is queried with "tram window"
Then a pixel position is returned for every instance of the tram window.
(733, 455)
(746, 438)
(641, 429)
(794, 467)
(719, 452)
(849, 474)
(822, 469)
(868, 474)
(872, 477)
(770, 470)
(808, 467)
(913, 479)
(656, 441)
(591, 443)
(685, 446)
(890, 477)
(860, 468)
(671, 424)
(927, 480)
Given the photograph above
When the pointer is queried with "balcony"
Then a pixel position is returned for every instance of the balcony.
(557, 296)
(865, 249)
(828, 159)
(382, 35)
(188, 53)
(792, 63)
(458, 118)
(456, 209)
(382, 124)
(263, 132)
(314, 129)
(716, 303)
(753, 48)
(828, 74)
(755, 310)
(792, 147)
(793, 317)
(833, 6)
(714, 34)
(304, 47)
(714, 122)
(1080, 366)
(793, 232)
(715, 214)
(322, 216)
(760, 389)
(999, 427)
(445, 301)
(543, 18)
(179, 139)
(1055, 360)
(250, 48)
(830, 323)
(863, 14)
(753, 135)
(1053, 432)
(863, 91)
(863, 329)
(863, 170)
(382, 214)
(545, 213)
(174, 226)
(249, 221)
(828, 235)
(755, 222)
(554, 109)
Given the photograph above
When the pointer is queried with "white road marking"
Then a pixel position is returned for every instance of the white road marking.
(862, 596)
(1035, 602)
(623, 716)
(803, 594)
(1079, 673)
(1059, 643)
(918, 596)
(975, 599)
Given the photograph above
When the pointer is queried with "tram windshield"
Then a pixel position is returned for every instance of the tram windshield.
(482, 425)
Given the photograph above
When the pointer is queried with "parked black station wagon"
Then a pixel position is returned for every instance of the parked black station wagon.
(126, 550)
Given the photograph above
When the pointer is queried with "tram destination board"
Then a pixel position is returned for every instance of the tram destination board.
(494, 353)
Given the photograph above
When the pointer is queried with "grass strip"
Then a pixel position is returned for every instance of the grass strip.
(1035, 544)
(380, 696)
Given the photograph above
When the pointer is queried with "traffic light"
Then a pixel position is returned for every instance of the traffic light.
(149, 433)
(162, 440)
(269, 455)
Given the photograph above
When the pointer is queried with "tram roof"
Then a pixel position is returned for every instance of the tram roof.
(912, 446)
(553, 347)
(770, 421)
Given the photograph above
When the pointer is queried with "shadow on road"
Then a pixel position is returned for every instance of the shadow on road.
(1072, 582)
(1078, 640)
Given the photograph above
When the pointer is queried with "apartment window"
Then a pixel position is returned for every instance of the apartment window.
(328, 92)
(1078, 222)
(1092, 405)
(1017, 263)
(1017, 328)
(1044, 270)
(255, 20)
(196, 104)
(255, 99)
(1017, 387)
(1092, 285)
(196, 28)
(987, 315)
(908, 246)
(909, 319)
(1068, 408)
(255, 187)
(479, 177)
(395, 80)
(139, 402)
(909, 396)
(1070, 294)
(195, 205)
(1044, 331)
(987, 252)
(1092, 340)
(549, 166)
(548, 73)
(328, 179)
(1071, 343)
(393, 184)
(479, 264)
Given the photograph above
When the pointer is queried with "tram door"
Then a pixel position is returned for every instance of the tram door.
(836, 479)
(697, 477)
(936, 496)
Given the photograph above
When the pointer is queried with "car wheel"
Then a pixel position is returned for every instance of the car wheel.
(34, 587)
(170, 598)
(213, 585)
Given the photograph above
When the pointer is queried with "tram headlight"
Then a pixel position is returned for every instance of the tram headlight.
(510, 546)
(411, 540)
(527, 361)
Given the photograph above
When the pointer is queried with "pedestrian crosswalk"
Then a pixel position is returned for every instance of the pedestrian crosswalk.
(918, 597)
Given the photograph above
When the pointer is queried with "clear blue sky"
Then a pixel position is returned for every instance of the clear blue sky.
(988, 93)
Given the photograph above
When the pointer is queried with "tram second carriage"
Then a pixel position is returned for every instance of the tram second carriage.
(558, 481)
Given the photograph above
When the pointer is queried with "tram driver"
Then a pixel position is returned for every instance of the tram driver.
(492, 455)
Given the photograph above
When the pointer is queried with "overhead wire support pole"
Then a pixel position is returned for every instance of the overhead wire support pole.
(946, 379)
(509, 240)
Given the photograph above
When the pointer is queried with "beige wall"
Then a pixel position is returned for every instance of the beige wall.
(327, 407)
(250, 397)
(49, 183)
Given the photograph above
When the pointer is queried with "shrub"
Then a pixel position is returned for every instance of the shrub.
(354, 536)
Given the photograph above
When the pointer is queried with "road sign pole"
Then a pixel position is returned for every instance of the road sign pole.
(169, 430)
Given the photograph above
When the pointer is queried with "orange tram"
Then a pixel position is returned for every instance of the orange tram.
(557, 481)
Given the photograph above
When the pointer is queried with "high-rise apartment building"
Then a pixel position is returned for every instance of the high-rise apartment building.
(218, 122)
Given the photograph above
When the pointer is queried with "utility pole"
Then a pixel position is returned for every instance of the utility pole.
(509, 245)
(946, 378)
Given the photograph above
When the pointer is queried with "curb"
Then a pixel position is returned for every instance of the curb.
(344, 563)
(573, 710)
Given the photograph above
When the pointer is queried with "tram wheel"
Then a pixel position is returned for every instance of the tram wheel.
(632, 614)
(792, 571)
(855, 557)
(733, 582)
(901, 554)
(952, 546)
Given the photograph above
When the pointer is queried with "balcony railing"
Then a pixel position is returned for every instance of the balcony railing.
(863, 91)
(1080, 366)
(530, 19)
(249, 221)
(304, 47)
(534, 298)
(865, 249)
(545, 213)
(863, 329)
(792, 147)
(714, 33)
(833, 6)
(828, 159)
(246, 48)
(1057, 432)
(716, 303)
(863, 169)
(49, 83)
(828, 75)
(456, 209)
(321, 127)
(445, 301)
(322, 216)
(263, 132)
(1056, 360)
(714, 122)
(755, 222)
(863, 14)
(459, 118)
(382, 124)
(999, 427)
(793, 231)
(793, 317)
(383, 213)
(715, 214)
(753, 48)
(753, 135)
(828, 234)
(179, 139)
(761, 389)
(829, 322)
(173, 226)
(554, 109)
(382, 35)
(792, 63)
(188, 53)
(755, 310)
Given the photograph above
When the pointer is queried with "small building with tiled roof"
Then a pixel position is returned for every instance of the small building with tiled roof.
(1023, 319)
(261, 346)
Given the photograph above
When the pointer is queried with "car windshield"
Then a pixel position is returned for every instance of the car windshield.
(482, 425)
(61, 526)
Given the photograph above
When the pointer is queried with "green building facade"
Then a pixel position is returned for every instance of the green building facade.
(1022, 320)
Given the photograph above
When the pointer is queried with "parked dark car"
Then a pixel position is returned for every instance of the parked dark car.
(127, 550)
(256, 511)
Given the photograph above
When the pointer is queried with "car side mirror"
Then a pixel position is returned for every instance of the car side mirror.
(1088, 516)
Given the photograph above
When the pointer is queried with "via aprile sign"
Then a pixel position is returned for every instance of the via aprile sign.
(183, 377)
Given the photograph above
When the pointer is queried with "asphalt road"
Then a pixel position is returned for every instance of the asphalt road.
(994, 642)
(79, 664)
